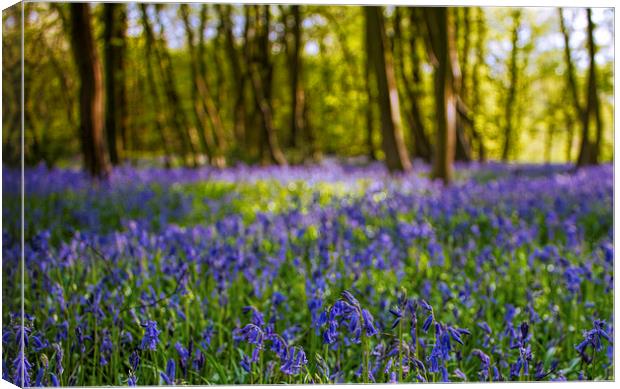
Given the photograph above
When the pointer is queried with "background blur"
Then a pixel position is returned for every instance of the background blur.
(177, 82)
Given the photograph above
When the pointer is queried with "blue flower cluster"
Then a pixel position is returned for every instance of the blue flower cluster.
(318, 274)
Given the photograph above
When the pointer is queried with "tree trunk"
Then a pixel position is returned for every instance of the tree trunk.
(475, 82)
(441, 41)
(238, 73)
(372, 154)
(178, 118)
(150, 75)
(512, 88)
(261, 74)
(200, 114)
(295, 71)
(411, 82)
(209, 98)
(91, 91)
(115, 25)
(380, 57)
(463, 145)
(590, 150)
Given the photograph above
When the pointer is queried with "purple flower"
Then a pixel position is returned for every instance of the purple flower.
(134, 360)
(369, 323)
(169, 375)
(151, 336)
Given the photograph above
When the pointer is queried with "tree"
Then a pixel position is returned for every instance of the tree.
(396, 157)
(512, 86)
(589, 150)
(442, 51)
(571, 81)
(477, 101)
(238, 72)
(204, 108)
(261, 70)
(411, 80)
(115, 25)
(295, 73)
(372, 153)
(91, 91)
(463, 118)
(177, 118)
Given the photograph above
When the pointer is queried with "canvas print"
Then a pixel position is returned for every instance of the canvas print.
(306, 194)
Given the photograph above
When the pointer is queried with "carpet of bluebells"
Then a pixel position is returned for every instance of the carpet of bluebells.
(320, 274)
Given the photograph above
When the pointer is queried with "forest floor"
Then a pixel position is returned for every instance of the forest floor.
(332, 273)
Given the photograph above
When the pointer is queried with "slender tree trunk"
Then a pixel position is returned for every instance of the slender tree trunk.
(295, 71)
(91, 91)
(572, 86)
(476, 79)
(590, 150)
(441, 40)
(411, 82)
(260, 72)
(372, 154)
(208, 99)
(381, 58)
(512, 88)
(570, 134)
(238, 73)
(200, 115)
(154, 95)
(115, 24)
(178, 117)
(463, 145)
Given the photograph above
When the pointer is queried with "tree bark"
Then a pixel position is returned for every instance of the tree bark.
(512, 87)
(238, 73)
(420, 145)
(295, 71)
(589, 150)
(199, 85)
(441, 42)
(150, 75)
(463, 144)
(115, 25)
(380, 57)
(372, 154)
(209, 98)
(91, 91)
(261, 75)
(177, 118)
(476, 79)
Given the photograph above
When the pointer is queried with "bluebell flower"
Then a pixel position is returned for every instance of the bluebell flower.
(21, 368)
(54, 380)
(485, 327)
(151, 336)
(39, 378)
(398, 314)
(132, 380)
(295, 361)
(246, 364)
(184, 356)
(256, 316)
(350, 299)
(199, 361)
(134, 360)
(460, 374)
(106, 348)
(207, 334)
(169, 376)
(485, 362)
(59, 354)
(369, 323)
(593, 338)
